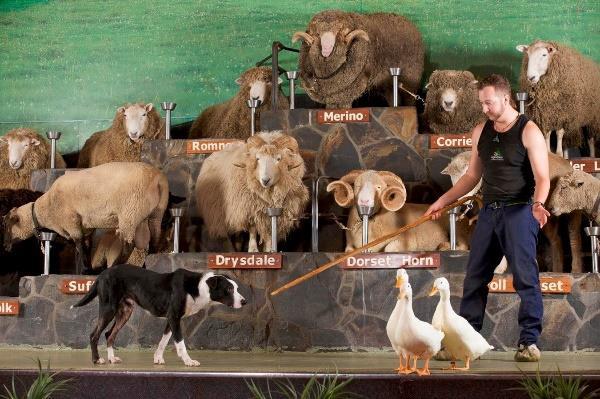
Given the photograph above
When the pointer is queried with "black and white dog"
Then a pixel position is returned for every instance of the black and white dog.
(170, 295)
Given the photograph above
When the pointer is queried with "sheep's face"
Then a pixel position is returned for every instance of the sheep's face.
(17, 149)
(268, 160)
(538, 59)
(458, 166)
(14, 227)
(258, 83)
(447, 88)
(135, 120)
(568, 194)
(367, 190)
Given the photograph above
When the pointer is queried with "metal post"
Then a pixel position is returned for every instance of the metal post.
(453, 215)
(275, 47)
(593, 232)
(292, 76)
(364, 212)
(53, 136)
(274, 213)
(395, 72)
(47, 237)
(315, 211)
(176, 213)
(168, 107)
(522, 97)
(253, 103)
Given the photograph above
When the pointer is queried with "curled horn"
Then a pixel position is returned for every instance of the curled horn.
(285, 141)
(394, 196)
(356, 34)
(342, 193)
(308, 39)
(255, 142)
(351, 176)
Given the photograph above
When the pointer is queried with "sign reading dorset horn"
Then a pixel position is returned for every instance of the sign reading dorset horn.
(352, 115)
(76, 286)
(588, 165)
(9, 307)
(440, 141)
(244, 260)
(207, 146)
(549, 284)
(379, 260)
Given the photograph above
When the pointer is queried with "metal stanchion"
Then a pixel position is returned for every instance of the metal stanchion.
(292, 76)
(53, 136)
(364, 212)
(395, 72)
(47, 237)
(253, 103)
(274, 213)
(522, 97)
(168, 107)
(453, 217)
(176, 213)
(593, 232)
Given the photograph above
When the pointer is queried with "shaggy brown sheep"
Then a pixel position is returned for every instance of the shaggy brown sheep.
(564, 88)
(576, 191)
(231, 119)
(345, 55)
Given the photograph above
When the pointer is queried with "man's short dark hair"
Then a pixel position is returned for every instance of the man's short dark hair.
(498, 82)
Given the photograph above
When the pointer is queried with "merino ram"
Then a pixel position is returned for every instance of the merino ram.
(22, 151)
(576, 191)
(564, 90)
(231, 119)
(128, 196)
(237, 185)
(122, 142)
(452, 103)
(345, 55)
(387, 194)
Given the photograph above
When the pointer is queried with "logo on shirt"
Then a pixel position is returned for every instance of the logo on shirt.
(497, 156)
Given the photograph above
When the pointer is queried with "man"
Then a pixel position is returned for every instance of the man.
(509, 153)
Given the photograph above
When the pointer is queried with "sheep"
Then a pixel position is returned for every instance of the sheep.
(558, 167)
(128, 196)
(576, 191)
(231, 119)
(131, 126)
(26, 151)
(237, 185)
(387, 194)
(452, 103)
(345, 55)
(564, 87)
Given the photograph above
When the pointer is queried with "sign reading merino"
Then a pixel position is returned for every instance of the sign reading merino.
(343, 115)
(244, 260)
(416, 260)
(207, 146)
(438, 141)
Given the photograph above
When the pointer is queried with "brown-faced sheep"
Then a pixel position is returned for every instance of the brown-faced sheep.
(452, 103)
(22, 151)
(231, 119)
(345, 55)
(387, 194)
(576, 191)
(237, 185)
(564, 89)
(128, 196)
(131, 126)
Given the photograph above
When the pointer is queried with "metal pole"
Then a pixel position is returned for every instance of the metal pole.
(593, 232)
(292, 76)
(253, 104)
(522, 97)
(47, 237)
(395, 72)
(453, 214)
(274, 213)
(176, 213)
(168, 107)
(274, 73)
(364, 212)
(53, 136)
(315, 212)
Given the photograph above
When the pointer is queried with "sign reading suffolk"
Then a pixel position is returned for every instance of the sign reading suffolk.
(76, 286)
(9, 307)
(441, 141)
(383, 260)
(244, 260)
(207, 146)
(588, 165)
(549, 284)
(352, 115)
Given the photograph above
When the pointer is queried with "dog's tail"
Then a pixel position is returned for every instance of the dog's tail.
(88, 297)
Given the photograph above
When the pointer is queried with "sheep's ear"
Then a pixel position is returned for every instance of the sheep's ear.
(308, 39)
(445, 170)
(356, 34)
(239, 81)
(149, 107)
(121, 110)
(522, 48)
(34, 141)
(551, 49)
(473, 82)
(342, 193)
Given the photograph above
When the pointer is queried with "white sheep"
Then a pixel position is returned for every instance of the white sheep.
(576, 191)
(22, 151)
(387, 194)
(237, 185)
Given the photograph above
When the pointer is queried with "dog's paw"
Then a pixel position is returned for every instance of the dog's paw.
(114, 360)
(159, 360)
(100, 361)
(191, 362)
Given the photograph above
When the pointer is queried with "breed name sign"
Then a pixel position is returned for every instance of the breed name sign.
(76, 286)
(9, 307)
(243, 260)
(588, 165)
(413, 260)
(549, 284)
(343, 115)
(207, 146)
(440, 141)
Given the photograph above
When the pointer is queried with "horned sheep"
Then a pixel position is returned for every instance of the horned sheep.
(577, 190)
(452, 103)
(231, 119)
(237, 185)
(132, 125)
(22, 151)
(345, 55)
(128, 196)
(564, 88)
(386, 193)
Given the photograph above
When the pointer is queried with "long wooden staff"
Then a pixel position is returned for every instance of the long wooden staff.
(334, 262)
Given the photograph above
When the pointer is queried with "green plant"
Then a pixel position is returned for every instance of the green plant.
(554, 387)
(43, 387)
(328, 388)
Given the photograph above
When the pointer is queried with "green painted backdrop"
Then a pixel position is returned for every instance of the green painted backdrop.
(67, 65)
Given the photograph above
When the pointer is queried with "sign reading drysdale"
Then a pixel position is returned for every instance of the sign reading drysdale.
(207, 146)
(244, 260)
(549, 284)
(379, 260)
(343, 115)
(76, 286)
(439, 141)
(9, 307)
(588, 165)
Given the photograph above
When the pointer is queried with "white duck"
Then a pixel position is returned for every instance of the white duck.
(460, 340)
(417, 337)
(392, 325)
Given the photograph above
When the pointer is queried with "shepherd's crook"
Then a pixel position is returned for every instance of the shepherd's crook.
(387, 237)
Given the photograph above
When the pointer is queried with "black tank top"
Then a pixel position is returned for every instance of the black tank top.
(507, 174)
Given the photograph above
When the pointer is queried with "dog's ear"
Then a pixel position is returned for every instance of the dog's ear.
(212, 282)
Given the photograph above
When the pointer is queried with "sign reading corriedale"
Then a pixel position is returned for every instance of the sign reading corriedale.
(378, 260)
(244, 260)
(344, 115)
(439, 141)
